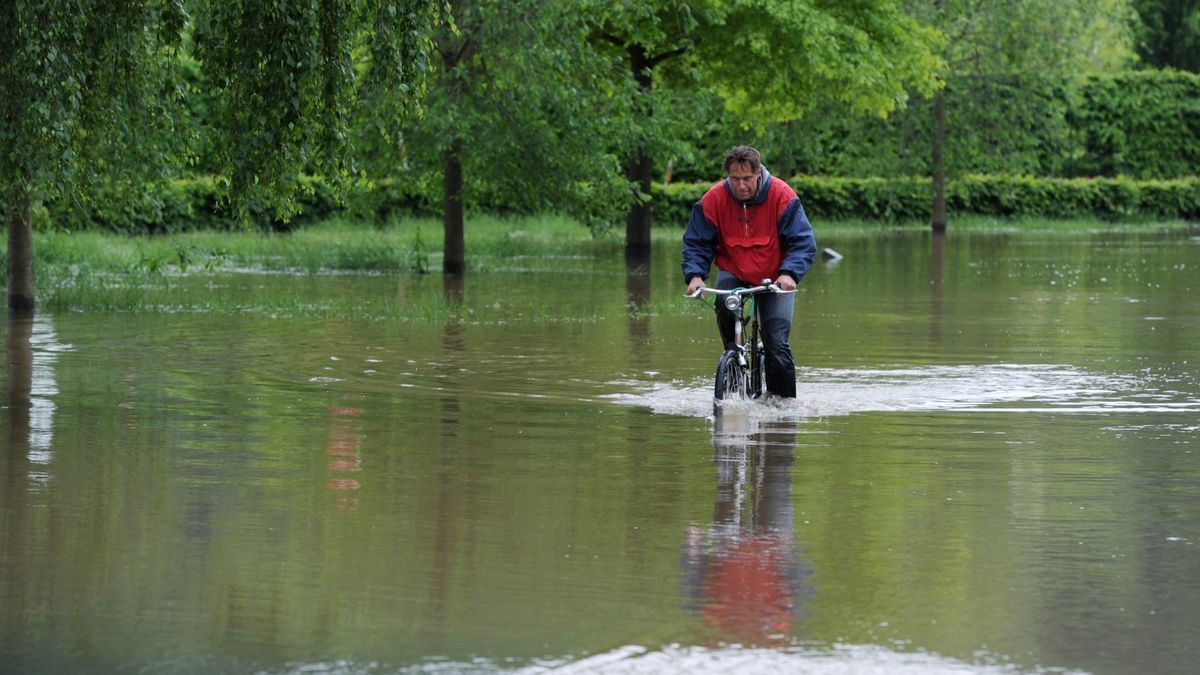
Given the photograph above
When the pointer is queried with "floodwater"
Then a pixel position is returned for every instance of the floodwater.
(992, 466)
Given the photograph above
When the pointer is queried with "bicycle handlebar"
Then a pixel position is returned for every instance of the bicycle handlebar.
(753, 290)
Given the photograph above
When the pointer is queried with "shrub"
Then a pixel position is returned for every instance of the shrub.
(1003, 195)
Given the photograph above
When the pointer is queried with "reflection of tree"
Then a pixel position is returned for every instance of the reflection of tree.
(937, 271)
(449, 486)
(637, 289)
(32, 347)
(742, 570)
(453, 289)
(20, 381)
(14, 463)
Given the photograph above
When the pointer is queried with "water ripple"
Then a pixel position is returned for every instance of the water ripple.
(826, 392)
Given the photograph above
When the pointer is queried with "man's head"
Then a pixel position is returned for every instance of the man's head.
(744, 167)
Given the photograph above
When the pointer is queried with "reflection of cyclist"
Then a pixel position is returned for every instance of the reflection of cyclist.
(743, 570)
(754, 226)
(343, 452)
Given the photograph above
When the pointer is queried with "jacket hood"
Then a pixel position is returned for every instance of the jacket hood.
(764, 186)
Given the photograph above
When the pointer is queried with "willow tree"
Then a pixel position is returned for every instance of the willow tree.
(768, 62)
(86, 79)
(76, 78)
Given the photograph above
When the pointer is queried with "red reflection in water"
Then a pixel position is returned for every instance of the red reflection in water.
(749, 589)
(343, 452)
(743, 570)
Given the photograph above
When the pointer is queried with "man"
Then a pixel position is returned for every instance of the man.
(754, 226)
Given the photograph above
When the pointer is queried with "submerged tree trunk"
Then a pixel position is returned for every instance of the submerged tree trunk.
(640, 168)
(639, 220)
(938, 161)
(20, 254)
(454, 259)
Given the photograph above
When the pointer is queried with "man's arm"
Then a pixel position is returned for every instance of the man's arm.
(699, 248)
(797, 242)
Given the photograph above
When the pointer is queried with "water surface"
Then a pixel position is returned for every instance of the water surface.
(990, 466)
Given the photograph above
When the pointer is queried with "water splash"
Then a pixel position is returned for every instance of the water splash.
(635, 659)
(826, 392)
(841, 659)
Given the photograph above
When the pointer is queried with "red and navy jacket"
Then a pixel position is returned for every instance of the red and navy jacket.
(754, 240)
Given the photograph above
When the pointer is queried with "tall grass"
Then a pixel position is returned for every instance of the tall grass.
(92, 271)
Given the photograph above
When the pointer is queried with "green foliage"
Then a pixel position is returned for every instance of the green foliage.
(908, 198)
(1021, 37)
(1143, 124)
(772, 61)
(1168, 33)
(285, 78)
(88, 93)
(196, 205)
(533, 107)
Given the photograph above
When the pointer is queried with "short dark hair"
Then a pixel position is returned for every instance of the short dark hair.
(743, 154)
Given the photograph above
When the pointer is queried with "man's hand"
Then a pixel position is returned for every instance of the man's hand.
(694, 285)
(785, 282)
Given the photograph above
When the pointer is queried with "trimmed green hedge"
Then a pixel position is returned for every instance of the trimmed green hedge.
(196, 204)
(990, 195)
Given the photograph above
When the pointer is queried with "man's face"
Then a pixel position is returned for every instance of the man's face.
(743, 180)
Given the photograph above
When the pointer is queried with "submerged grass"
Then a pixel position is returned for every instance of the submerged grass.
(91, 271)
(400, 245)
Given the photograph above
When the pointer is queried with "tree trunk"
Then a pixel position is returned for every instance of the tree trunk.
(640, 168)
(639, 220)
(454, 260)
(20, 254)
(938, 161)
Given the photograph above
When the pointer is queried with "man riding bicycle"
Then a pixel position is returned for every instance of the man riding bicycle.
(754, 226)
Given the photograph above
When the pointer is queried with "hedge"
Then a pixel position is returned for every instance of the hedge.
(196, 204)
(989, 195)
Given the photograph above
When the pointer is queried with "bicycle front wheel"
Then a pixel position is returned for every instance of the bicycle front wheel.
(732, 380)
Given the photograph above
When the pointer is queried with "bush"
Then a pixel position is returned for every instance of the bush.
(194, 204)
(895, 199)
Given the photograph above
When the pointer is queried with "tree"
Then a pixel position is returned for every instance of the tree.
(93, 80)
(519, 112)
(768, 62)
(78, 84)
(1006, 39)
(1168, 33)
(288, 78)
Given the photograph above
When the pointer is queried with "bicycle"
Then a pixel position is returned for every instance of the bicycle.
(741, 368)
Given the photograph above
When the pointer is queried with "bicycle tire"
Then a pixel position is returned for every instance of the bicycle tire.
(731, 381)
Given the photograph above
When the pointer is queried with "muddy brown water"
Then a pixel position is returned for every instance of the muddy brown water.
(991, 465)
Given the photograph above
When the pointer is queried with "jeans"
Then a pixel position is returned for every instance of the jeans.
(775, 324)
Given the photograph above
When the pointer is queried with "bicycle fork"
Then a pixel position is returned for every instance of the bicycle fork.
(739, 341)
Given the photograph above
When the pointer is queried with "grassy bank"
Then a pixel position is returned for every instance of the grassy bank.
(408, 245)
(92, 271)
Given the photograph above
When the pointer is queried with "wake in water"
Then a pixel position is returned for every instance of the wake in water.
(826, 392)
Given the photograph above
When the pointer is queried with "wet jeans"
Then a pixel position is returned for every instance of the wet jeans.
(775, 324)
